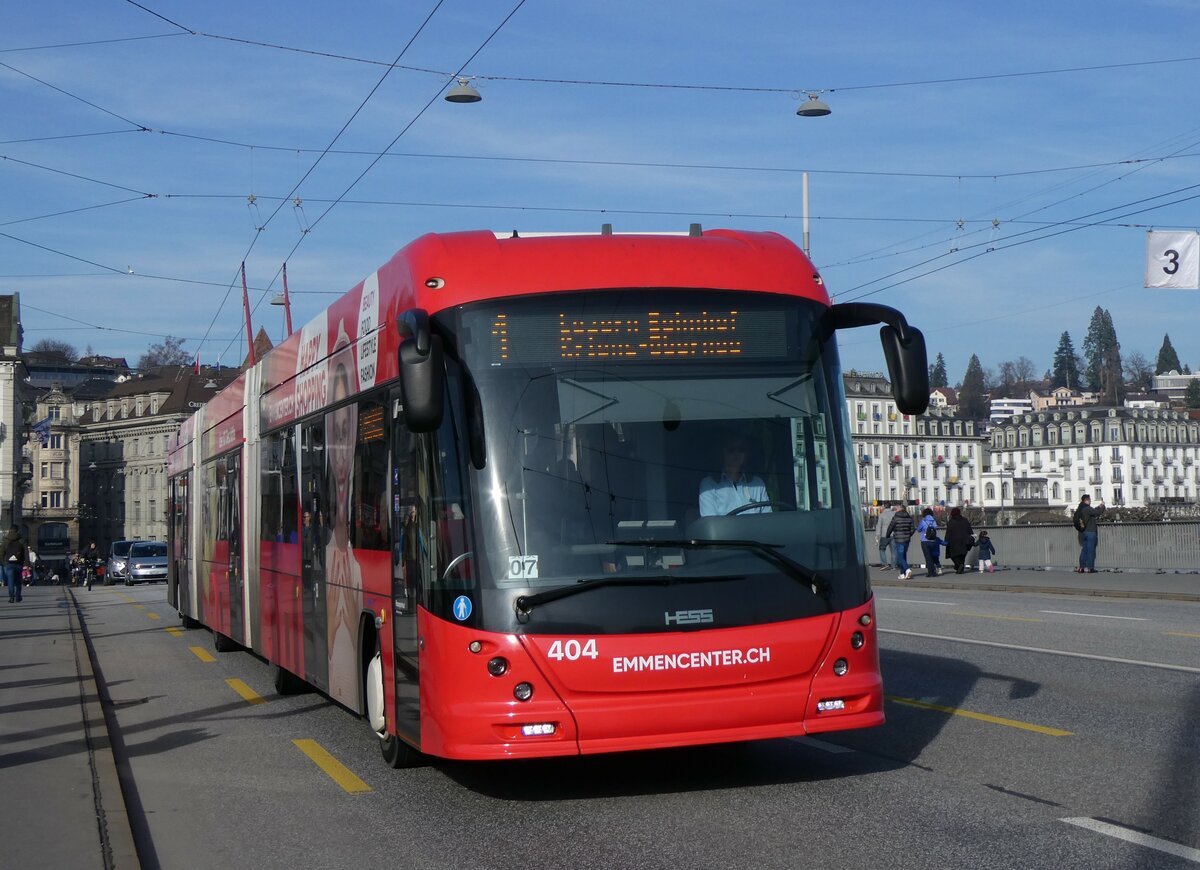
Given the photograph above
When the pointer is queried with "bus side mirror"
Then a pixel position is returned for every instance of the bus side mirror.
(908, 367)
(422, 372)
(903, 348)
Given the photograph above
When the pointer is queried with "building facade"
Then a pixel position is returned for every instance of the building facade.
(50, 503)
(1127, 457)
(927, 459)
(12, 414)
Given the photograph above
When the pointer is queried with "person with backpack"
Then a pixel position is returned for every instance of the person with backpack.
(1084, 520)
(901, 530)
(927, 534)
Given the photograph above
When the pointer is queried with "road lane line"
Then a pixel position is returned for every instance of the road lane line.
(1037, 649)
(153, 616)
(333, 768)
(174, 631)
(1181, 634)
(140, 606)
(128, 598)
(982, 717)
(1094, 615)
(992, 616)
(1137, 838)
(251, 696)
(202, 654)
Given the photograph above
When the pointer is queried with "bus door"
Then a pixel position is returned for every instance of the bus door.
(232, 520)
(410, 567)
(178, 577)
(314, 534)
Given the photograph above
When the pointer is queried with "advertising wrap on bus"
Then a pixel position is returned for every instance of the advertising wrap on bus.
(518, 497)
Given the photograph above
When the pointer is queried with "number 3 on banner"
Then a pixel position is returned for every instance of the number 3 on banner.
(1173, 260)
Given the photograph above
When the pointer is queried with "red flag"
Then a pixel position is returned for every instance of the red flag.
(246, 306)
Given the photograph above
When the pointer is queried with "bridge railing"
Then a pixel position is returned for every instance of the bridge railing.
(1165, 546)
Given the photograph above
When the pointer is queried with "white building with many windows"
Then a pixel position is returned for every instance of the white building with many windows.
(927, 459)
(1129, 457)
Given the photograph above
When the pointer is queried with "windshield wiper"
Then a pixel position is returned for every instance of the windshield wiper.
(820, 586)
(526, 603)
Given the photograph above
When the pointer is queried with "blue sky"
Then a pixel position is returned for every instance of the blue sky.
(941, 112)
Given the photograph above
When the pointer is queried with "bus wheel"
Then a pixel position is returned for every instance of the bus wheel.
(223, 644)
(396, 753)
(285, 682)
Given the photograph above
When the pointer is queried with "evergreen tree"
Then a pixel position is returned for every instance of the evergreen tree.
(1066, 364)
(1191, 396)
(937, 373)
(1102, 352)
(1168, 360)
(972, 398)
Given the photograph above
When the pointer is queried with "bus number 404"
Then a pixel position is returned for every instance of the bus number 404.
(572, 650)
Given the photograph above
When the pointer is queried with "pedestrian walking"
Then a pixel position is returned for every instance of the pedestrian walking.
(1084, 520)
(960, 538)
(927, 534)
(986, 551)
(14, 554)
(901, 530)
(882, 540)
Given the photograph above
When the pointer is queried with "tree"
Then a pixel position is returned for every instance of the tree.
(1139, 374)
(972, 400)
(169, 352)
(937, 373)
(1168, 360)
(1066, 364)
(1102, 352)
(1191, 396)
(57, 347)
(1015, 375)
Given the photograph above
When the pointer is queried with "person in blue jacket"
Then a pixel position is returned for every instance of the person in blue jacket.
(931, 545)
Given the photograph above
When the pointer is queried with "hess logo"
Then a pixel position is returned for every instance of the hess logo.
(689, 617)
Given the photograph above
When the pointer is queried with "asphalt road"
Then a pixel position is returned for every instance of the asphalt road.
(1024, 730)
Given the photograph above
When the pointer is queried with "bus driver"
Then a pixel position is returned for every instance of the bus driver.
(732, 488)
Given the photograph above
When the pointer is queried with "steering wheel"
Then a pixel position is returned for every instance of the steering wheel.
(781, 505)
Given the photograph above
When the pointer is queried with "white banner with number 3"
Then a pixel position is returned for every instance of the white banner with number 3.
(1173, 260)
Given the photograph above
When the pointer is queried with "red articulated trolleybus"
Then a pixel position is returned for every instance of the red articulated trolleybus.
(513, 497)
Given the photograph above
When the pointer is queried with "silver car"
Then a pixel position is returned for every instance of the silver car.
(147, 562)
(118, 555)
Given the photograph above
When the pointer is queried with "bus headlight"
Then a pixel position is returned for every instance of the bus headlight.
(857, 640)
(523, 691)
(840, 667)
(497, 666)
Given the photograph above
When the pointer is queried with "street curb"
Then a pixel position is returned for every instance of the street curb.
(116, 835)
(1047, 590)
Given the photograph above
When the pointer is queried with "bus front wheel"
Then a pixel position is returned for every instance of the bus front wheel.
(396, 753)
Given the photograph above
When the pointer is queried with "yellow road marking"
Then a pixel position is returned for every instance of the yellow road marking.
(202, 654)
(140, 606)
(991, 616)
(153, 616)
(245, 691)
(128, 598)
(336, 771)
(1181, 634)
(982, 717)
(174, 632)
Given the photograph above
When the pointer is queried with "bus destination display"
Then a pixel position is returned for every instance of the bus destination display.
(648, 334)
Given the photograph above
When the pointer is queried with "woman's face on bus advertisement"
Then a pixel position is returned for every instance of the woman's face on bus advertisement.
(340, 435)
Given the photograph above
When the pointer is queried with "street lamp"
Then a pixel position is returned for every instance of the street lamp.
(812, 108)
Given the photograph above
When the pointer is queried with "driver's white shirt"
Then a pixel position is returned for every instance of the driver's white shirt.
(719, 495)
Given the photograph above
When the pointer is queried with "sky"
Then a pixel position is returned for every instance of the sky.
(989, 169)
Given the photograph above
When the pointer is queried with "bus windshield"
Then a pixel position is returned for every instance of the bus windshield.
(659, 442)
